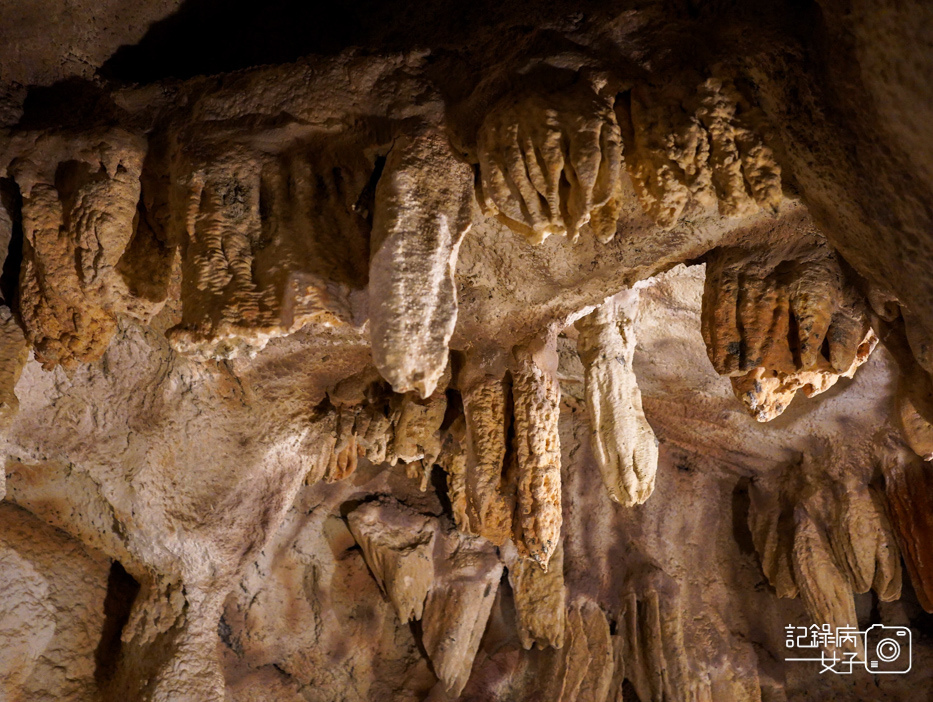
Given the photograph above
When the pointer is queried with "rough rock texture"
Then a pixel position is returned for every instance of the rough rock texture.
(536, 397)
(549, 163)
(539, 600)
(251, 269)
(398, 547)
(300, 399)
(458, 607)
(907, 489)
(79, 195)
(776, 308)
(699, 149)
(488, 501)
(825, 537)
(623, 442)
(423, 203)
(53, 614)
(766, 393)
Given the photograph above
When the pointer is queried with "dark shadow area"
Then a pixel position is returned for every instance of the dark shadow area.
(73, 103)
(439, 483)
(740, 506)
(12, 201)
(921, 622)
(206, 37)
(214, 36)
(122, 589)
(417, 633)
(628, 692)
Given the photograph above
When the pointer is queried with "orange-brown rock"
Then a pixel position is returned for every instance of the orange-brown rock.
(489, 498)
(79, 197)
(698, 149)
(825, 536)
(767, 393)
(777, 309)
(536, 402)
(550, 162)
(908, 489)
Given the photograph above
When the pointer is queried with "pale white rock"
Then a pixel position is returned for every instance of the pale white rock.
(423, 209)
(624, 444)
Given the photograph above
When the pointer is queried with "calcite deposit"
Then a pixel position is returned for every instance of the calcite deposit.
(623, 441)
(452, 351)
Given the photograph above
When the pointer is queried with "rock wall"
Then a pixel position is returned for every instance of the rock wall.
(483, 352)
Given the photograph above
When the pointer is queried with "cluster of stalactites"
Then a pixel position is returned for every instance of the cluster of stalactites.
(825, 535)
(440, 577)
(548, 162)
(552, 162)
(781, 320)
(363, 418)
(502, 451)
(704, 147)
(81, 266)
(504, 490)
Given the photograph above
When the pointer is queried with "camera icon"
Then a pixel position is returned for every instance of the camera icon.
(888, 649)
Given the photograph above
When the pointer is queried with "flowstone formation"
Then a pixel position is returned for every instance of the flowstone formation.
(428, 368)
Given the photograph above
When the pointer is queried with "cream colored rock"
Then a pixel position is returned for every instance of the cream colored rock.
(52, 612)
(573, 660)
(423, 209)
(536, 402)
(319, 444)
(378, 437)
(398, 544)
(71, 501)
(190, 473)
(159, 607)
(344, 455)
(14, 352)
(458, 606)
(417, 435)
(767, 393)
(550, 163)
(193, 671)
(583, 668)
(540, 598)
(624, 444)
(745, 173)
(918, 432)
(668, 155)
(823, 587)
